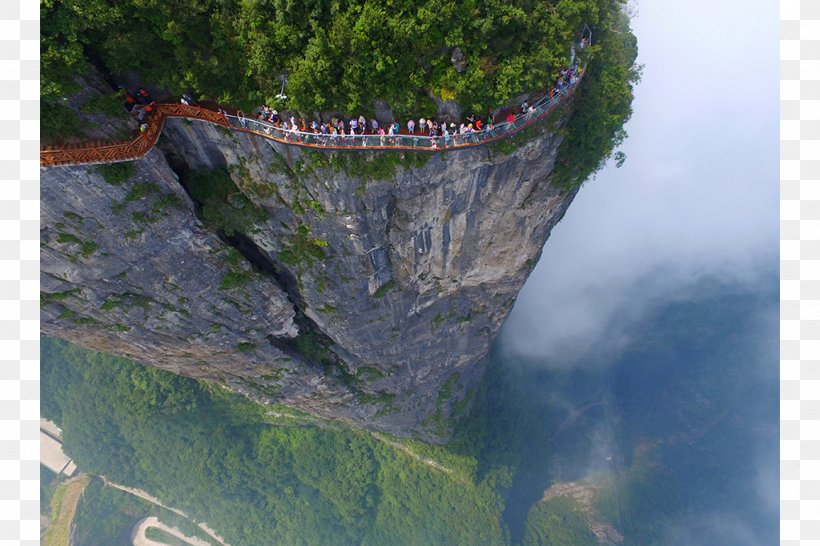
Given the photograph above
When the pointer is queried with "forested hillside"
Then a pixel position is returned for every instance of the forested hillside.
(259, 478)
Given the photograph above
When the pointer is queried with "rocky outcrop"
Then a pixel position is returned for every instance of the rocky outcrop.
(370, 292)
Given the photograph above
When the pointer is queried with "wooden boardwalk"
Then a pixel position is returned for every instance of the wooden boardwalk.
(98, 152)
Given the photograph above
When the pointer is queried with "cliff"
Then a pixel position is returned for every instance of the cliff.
(362, 286)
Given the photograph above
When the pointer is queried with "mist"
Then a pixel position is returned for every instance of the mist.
(690, 218)
(696, 199)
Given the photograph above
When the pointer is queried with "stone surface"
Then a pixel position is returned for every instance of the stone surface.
(422, 263)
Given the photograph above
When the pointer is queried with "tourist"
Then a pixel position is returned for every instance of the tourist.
(139, 112)
(411, 126)
(143, 96)
(530, 111)
(130, 102)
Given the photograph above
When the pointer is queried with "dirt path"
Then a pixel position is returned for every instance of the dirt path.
(138, 537)
(153, 500)
(63, 507)
(415, 456)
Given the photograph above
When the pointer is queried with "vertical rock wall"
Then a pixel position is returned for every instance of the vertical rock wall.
(372, 291)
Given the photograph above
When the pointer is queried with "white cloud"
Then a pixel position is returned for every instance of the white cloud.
(697, 197)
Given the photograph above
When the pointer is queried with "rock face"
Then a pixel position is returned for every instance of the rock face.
(371, 293)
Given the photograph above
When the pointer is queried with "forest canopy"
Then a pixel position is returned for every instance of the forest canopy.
(337, 56)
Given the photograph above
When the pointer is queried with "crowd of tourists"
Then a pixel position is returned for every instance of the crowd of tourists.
(140, 105)
(338, 130)
(341, 131)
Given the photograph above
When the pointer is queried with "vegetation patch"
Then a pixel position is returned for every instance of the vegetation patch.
(57, 297)
(224, 207)
(385, 399)
(166, 201)
(87, 248)
(140, 190)
(558, 521)
(309, 345)
(58, 122)
(111, 104)
(302, 248)
(236, 279)
(73, 216)
(245, 346)
(440, 319)
(63, 237)
(127, 300)
(507, 146)
(366, 373)
(384, 289)
(437, 421)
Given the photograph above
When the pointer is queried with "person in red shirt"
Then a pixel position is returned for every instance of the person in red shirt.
(511, 118)
(143, 96)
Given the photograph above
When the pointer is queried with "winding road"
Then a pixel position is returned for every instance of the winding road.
(138, 537)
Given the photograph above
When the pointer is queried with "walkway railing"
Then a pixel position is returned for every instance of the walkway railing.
(100, 152)
(92, 153)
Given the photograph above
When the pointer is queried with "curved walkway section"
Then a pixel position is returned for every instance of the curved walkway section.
(138, 537)
(91, 153)
(96, 152)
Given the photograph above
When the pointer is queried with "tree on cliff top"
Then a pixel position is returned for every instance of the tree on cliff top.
(338, 56)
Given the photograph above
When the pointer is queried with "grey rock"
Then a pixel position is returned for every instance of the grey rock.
(459, 60)
(421, 267)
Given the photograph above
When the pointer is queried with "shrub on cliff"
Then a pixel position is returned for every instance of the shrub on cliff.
(603, 103)
(224, 206)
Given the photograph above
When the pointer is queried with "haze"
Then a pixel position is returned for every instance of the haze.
(697, 196)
